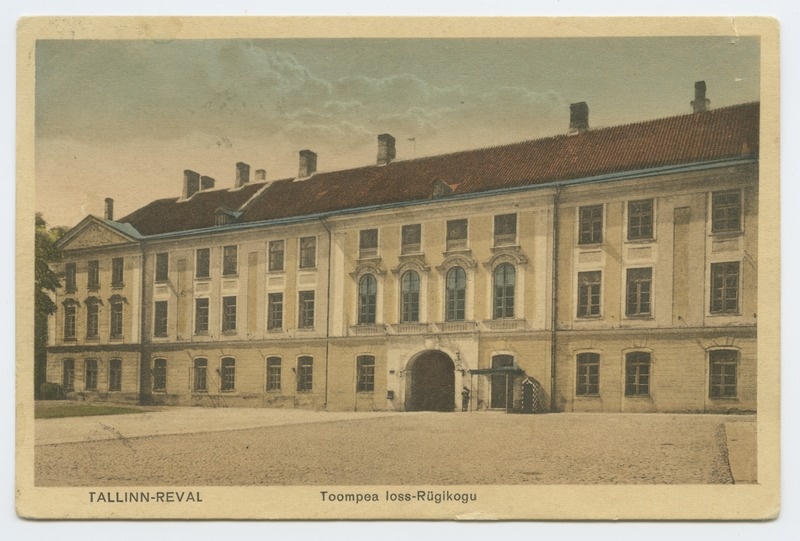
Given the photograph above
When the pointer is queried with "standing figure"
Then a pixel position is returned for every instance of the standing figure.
(465, 399)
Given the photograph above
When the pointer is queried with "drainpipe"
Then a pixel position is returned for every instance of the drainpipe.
(144, 363)
(554, 302)
(328, 309)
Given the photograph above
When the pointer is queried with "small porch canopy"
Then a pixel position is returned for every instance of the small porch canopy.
(510, 372)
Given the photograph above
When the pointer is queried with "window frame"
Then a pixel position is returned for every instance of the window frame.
(202, 264)
(503, 295)
(409, 297)
(634, 387)
(634, 293)
(93, 274)
(160, 320)
(275, 311)
(201, 315)
(162, 267)
(590, 228)
(589, 309)
(725, 208)
(273, 373)
(230, 260)
(587, 373)
(227, 375)
(505, 234)
(200, 367)
(114, 375)
(70, 321)
(410, 247)
(70, 277)
(274, 262)
(368, 246)
(116, 319)
(645, 230)
(117, 272)
(365, 374)
(306, 308)
(455, 296)
(92, 318)
(723, 385)
(159, 375)
(724, 288)
(453, 227)
(68, 375)
(307, 253)
(305, 374)
(91, 372)
(367, 299)
(229, 314)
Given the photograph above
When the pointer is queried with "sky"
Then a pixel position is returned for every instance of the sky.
(123, 119)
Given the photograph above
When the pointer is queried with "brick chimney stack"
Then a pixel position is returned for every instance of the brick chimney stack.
(242, 174)
(578, 118)
(308, 164)
(261, 174)
(386, 150)
(700, 102)
(191, 183)
(109, 210)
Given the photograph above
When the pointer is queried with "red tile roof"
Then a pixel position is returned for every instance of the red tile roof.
(717, 134)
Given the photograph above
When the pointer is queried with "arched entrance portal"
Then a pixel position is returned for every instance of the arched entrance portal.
(430, 382)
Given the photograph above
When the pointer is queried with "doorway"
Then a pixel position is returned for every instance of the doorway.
(502, 392)
(431, 382)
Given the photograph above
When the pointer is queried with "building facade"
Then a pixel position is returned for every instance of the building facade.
(608, 269)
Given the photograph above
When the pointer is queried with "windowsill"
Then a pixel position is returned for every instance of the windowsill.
(416, 252)
(163, 281)
(276, 330)
(724, 314)
(368, 258)
(201, 333)
(650, 240)
(724, 398)
(228, 391)
(510, 244)
(202, 278)
(230, 276)
(273, 391)
(160, 336)
(114, 391)
(71, 291)
(305, 392)
(587, 396)
(116, 338)
(229, 333)
(200, 391)
(644, 317)
(276, 271)
(590, 245)
(117, 286)
(365, 393)
(70, 339)
(588, 318)
(369, 255)
(159, 391)
(727, 234)
(638, 396)
(305, 329)
(92, 338)
(307, 269)
(93, 289)
(457, 250)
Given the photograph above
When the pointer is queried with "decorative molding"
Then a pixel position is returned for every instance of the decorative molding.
(506, 254)
(94, 235)
(367, 266)
(462, 259)
(415, 262)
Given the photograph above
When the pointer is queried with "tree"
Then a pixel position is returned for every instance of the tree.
(46, 282)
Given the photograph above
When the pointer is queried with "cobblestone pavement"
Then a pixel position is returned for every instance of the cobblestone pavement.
(321, 448)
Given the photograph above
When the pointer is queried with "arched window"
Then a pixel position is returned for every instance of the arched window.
(200, 375)
(367, 294)
(228, 374)
(456, 283)
(409, 297)
(504, 281)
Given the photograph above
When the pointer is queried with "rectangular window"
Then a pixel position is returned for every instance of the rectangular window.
(411, 239)
(229, 260)
(202, 265)
(115, 375)
(273, 373)
(368, 243)
(160, 319)
(590, 223)
(725, 288)
(92, 319)
(70, 280)
(116, 319)
(68, 376)
(308, 252)
(91, 374)
(228, 314)
(505, 229)
(589, 293)
(306, 310)
(117, 272)
(69, 322)
(274, 311)
(228, 374)
(726, 211)
(201, 316)
(160, 375)
(457, 231)
(305, 374)
(640, 219)
(276, 255)
(365, 365)
(200, 375)
(587, 381)
(639, 287)
(637, 373)
(94, 274)
(722, 374)
(162, 267)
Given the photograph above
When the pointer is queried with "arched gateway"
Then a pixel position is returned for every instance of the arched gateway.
(430, 382)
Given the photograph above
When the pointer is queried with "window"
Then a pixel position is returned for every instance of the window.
(162, 267)
(68, 375)
(91, 374)
(456, 283)
(365, 366)
(228, 374)
(201, 316)
(117, 272)
(590, 223)
(726, 211)
(94, 274)
(589, 294)
(504, 280)
(276, 255)
(115, 375)
(305, 374)
(308, 252)
(368, 243)
(273, 373)
(116, 318)
(229, 260)
(228, 314)
(92, 317)
(639, 286)
(725, 287)
(274, 311)
(411, 239)
(160, 375)
(160, 320)
(409, 297)
(200, 375)
(587, 379)
(69, 321)
(202, 266)
(722, 372)
(637, 373)
(505, 229)
(367, 294)
(306, 312)
(640, 219)
(70, 281)
(457, 234)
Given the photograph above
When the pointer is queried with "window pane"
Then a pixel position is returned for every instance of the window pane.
(229, 260)
(305, 374)
(69, 321)
(590, 224)
(160, 321)
(504, 281)
(306, 311)
(116, 319)
(92, 317)
(228, 374)
(411, 239)
(160, 375)
(200, 374)
(456, 234)
(201, 316)
(203, 263)
(68, 380)
(273, 373)
(367, 294)
(640, 219)
(276, 255)
(725, 287)
(637, 373)
(409, 293)
(456, 294)
(308, 252)
(366, 373)
(93, 271)
(723, 373)
(505, 229)
(726, 210)
(115, 375)
(639, 283)
(70, 280)
(368, 243)
(589, 294)
(588, 374)
(91, 374)
(228, 314)
(162, 267)
(275, 311)
(117, 271)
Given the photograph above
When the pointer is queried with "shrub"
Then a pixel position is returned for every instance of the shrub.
(52, 391)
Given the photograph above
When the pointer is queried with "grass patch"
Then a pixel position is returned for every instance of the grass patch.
(53, 411)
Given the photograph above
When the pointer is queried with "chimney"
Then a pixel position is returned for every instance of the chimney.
(578, 118)
(386, 151)
(261, 174)
(242, 174)
(308, 164)
(109, 213)
(700, 102)
(206, 183)
(191, 183)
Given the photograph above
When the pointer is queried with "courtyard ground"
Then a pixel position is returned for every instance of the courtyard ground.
(223, 447)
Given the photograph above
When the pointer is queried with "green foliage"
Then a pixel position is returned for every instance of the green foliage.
(51, 391)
